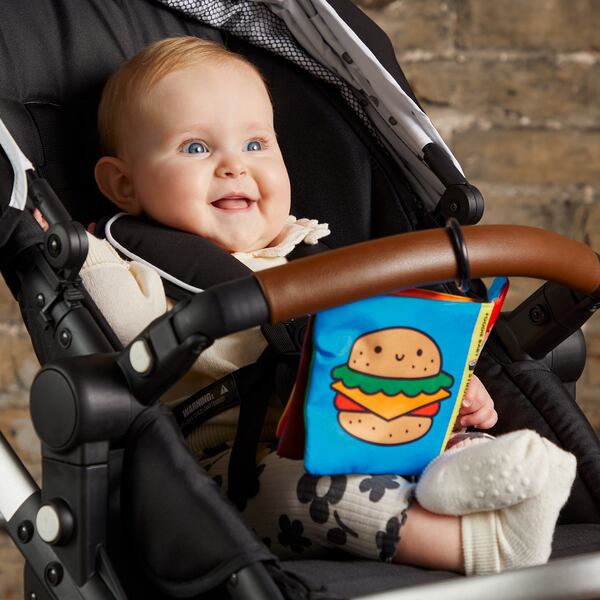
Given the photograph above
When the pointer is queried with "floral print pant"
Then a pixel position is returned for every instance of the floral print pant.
(298, 515)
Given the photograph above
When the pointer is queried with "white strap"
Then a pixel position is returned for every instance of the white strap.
(20, 163)
(132, 256)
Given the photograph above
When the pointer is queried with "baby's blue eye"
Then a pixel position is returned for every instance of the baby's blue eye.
(253, 146)
(194, 148)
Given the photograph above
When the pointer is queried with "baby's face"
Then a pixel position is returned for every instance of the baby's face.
(203, 157)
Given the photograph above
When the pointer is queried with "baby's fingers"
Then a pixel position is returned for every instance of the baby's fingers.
(490, 422)
(484, 418)
(37, 215)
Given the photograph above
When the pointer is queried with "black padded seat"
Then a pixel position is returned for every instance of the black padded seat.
(354, 578)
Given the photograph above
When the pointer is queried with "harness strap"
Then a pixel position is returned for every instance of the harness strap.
(255, 384)
(260, 386)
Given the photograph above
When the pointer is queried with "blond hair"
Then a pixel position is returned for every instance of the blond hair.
(127, 87)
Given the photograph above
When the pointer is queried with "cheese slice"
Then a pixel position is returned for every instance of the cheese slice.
(389, 407)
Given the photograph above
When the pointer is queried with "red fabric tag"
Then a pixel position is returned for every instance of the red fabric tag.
(290, 431)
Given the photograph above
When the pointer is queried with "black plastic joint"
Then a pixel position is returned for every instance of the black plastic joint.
(461, 200)
(223, 309)
(80, 400)
(66, 247)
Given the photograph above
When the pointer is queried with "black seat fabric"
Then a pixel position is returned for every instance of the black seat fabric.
(57, 54)
(351, 578)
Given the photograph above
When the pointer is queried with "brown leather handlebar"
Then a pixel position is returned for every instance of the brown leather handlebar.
(421, 258)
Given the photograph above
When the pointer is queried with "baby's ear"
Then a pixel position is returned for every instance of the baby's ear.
(112, 177)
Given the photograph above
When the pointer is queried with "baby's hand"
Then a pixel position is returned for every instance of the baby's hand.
(477, 408)
(37, 215)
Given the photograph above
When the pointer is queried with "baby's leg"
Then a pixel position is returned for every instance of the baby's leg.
(431, 541)
(300, 515)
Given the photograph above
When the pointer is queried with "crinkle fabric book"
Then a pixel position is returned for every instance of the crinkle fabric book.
(381, 381)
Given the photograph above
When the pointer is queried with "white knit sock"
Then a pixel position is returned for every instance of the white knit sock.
(519, 535)
(485, 476)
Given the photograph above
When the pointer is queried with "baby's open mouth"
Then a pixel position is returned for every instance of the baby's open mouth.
(233, 202)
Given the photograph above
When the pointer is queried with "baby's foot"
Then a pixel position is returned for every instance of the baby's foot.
(486, 476)
(519, 535)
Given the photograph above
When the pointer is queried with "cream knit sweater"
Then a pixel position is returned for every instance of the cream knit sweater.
(130, 295)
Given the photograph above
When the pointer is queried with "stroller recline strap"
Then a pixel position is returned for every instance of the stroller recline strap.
(212, 400)
(260, 386)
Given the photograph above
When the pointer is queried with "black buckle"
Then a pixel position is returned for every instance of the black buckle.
(286, 338)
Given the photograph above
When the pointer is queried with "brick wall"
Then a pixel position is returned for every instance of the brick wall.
(513, 88)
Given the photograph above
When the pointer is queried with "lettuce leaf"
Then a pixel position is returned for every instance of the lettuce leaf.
(370, 384)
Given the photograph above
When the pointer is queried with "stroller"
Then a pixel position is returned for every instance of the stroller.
(125, 511)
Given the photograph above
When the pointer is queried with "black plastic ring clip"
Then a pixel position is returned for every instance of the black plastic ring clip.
(462, 256)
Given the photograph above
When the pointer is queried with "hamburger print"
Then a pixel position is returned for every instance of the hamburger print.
(389, 390)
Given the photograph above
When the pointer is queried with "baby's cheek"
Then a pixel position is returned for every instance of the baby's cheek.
(276, 181)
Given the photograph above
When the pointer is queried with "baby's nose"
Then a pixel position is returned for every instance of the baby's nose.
(231, 167)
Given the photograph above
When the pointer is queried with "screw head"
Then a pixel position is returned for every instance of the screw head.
(33, 596)
(64, 338)
(454, 207)
(537, 314)
(40, 300)
(25, 531)
(53, 573)
(53, 245)
(233, 579)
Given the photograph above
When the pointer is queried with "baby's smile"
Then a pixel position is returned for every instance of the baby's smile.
(234, 202)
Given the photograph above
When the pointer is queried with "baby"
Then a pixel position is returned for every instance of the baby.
(187, 127)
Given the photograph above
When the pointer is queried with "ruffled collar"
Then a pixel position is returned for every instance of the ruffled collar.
(294, 232)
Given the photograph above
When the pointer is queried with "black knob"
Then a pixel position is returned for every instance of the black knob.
(64, 338)
(54, 245)
(25, 531)
(538, 314)
(53, 573)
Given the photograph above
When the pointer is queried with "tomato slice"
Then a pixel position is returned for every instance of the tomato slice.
(344, 403)
(429, 410)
